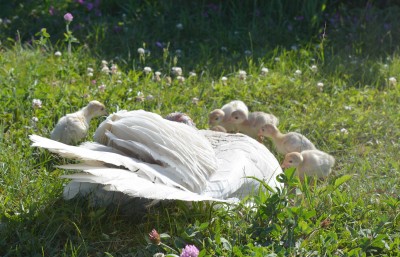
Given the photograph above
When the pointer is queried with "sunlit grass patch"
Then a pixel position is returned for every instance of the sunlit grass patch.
(344, 100)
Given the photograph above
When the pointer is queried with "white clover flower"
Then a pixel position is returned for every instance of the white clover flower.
(179, 26)
(104, 63)
(105, 69)
(149, 97)
(320, 86)
(277, 59)
(242, 74)
(89, 69)
(147, 70)
(168, 80)
(264, 71)
(392, 81)
(119, 81)
(180, 79)
(192, 74)
(344, 131)
(102, 88)
(297, 72)
(57, 54)
(36, 103)
(114, 68)
(139, 97)
(314, 68)
(140, 51)
(195, 100)
(385, 66)
(157, 76)
(348, 108)
(90, 74)
(35, 119)
(177, 71)
(224, 80)
(130, 90)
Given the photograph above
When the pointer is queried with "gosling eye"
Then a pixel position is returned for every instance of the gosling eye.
(216, 118)
(263, 129)
(290, 161)
(236, 118)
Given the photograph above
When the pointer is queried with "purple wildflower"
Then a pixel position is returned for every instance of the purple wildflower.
(190, 251)
(68, 17)
(51, 10)
(387, 26)
(159, 44)
(89, 6)
(155, 237)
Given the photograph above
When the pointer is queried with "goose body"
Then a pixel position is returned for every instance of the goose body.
(310, 162)
(222, 116)
(140, 154)
(251, 125)
(286, 143)
(73, 127)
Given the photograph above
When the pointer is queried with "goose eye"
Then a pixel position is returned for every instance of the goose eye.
(263, 129)
(216, 118)
(236, 117)
(290, 161)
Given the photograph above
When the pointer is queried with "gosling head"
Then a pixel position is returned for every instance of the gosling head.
(215, 117)
(95, 109)
(292, 160)
(267, 130)
(238, 117)
(181, 117)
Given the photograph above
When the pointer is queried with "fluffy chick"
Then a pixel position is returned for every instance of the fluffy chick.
(251, 125)
(310, 162)
(73, 127)
(222, 116)
(286, 143)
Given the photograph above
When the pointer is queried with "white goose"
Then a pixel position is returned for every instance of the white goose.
(143, 155)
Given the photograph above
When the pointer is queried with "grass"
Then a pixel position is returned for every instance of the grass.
(355, 118)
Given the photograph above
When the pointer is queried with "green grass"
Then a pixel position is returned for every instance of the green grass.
(354, 213)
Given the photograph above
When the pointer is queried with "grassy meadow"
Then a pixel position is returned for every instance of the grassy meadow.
(326, 69)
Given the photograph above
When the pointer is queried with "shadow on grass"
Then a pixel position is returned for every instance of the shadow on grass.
(76, 228)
